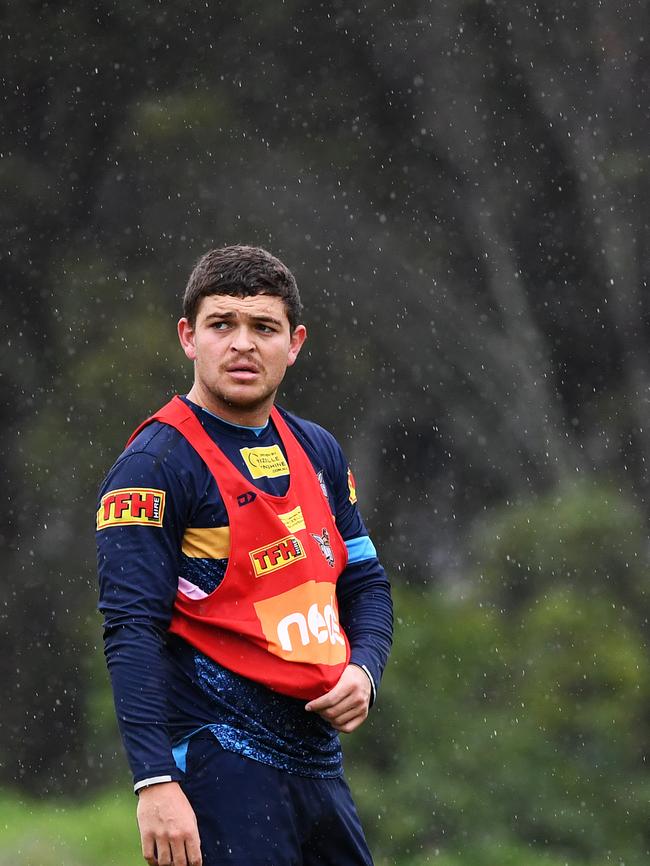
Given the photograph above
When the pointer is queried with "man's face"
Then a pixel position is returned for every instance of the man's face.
(241, 348)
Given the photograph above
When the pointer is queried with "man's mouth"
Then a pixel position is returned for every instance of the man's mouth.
(245, 370)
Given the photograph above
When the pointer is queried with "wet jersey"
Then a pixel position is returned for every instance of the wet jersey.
(274, 616)
(162, 524)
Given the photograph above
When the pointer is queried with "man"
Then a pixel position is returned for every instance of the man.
(247, 619)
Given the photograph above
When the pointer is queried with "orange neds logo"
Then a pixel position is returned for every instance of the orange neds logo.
(302, 625)
(276, 555)
(131, 505)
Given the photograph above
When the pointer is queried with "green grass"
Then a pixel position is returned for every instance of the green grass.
(103, 832)
(60, 833)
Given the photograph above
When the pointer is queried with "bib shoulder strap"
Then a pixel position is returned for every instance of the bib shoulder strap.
(173, 413)
(288, 438)
(177, 414)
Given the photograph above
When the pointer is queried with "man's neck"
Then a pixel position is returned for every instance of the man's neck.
(248, 427)
(256, 417)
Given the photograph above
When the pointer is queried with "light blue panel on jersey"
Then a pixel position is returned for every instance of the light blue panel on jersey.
(180, 754)
(360, 549)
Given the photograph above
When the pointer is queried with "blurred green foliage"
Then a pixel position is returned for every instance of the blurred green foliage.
(519, 729)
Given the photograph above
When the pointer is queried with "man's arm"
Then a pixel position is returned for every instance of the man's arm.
(346, 705)
(366, 614)
(168, 829)
(363, 591)
(138, 568)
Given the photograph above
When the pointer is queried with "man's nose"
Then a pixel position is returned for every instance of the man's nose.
(242, 340)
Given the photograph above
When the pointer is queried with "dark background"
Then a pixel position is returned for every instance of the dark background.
(461, 189)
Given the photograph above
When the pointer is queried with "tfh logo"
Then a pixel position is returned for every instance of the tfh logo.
(277, 555)
(131, 505)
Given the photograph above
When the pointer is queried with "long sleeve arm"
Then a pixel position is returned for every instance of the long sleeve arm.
(363, 589)
(366, 612)
(138, 576)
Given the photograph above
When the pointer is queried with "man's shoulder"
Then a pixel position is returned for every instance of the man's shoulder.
(312, 431)
(157, 439)
(318, 438)
(157, 442)
(157, 450)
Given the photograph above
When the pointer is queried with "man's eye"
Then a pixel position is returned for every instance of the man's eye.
(220, 325)
(265, 329)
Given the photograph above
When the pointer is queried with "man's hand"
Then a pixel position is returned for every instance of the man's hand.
(168, 827)
(346, 706)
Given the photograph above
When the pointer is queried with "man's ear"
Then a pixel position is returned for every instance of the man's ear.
(298, 337)
(186, 337)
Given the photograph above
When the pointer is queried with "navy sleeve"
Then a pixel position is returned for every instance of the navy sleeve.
(366, 611)
(363, 589)
(137, 546)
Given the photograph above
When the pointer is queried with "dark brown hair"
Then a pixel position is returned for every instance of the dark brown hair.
(241, 271)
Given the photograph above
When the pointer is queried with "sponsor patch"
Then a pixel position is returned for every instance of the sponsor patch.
(293, 520)
(131, 505)
(352, 487)
(301, 625)
(267, 462)
(277, 555)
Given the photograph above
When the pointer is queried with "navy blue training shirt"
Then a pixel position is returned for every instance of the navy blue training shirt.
(165, 689)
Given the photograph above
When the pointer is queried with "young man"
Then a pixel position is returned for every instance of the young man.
(247, 619)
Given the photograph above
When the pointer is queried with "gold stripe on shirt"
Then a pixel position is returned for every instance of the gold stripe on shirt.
(210, 543)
